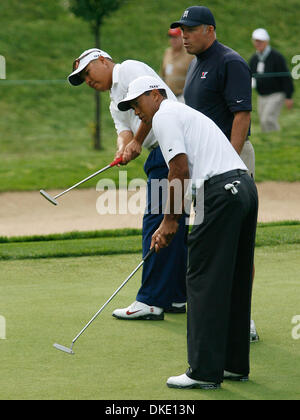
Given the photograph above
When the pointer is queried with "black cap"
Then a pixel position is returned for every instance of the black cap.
(195, 16)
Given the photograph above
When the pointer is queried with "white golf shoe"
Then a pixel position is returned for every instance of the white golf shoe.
(185, 382)
(140, 311)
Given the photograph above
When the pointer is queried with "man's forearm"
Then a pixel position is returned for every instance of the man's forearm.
(134, 147)
(178, 175)
(240, 129)
(123, 139)
(142, 133)
(179, 172)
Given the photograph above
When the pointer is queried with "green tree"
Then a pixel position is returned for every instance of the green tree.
(94, 11)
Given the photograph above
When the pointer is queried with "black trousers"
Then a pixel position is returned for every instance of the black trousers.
(219, 279)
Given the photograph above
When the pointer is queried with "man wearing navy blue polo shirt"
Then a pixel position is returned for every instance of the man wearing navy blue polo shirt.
(218, 84)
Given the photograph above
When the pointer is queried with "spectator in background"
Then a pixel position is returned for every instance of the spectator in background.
(2, 67)
(175, 63)
(274, 91)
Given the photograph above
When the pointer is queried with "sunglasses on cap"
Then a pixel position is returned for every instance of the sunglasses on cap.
(77, 61)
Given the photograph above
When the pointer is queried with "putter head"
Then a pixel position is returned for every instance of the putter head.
(63, 348)
(48, 197)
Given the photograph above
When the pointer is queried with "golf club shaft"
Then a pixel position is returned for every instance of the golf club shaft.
(114, 163)
(81, 182)
(115, 293)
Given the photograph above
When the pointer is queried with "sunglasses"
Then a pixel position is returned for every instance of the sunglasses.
(77, 61)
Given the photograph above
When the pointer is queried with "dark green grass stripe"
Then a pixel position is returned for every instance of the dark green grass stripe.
(282, 223)
(78, 246)
(71, 248)
(278, 235)
(117, 233)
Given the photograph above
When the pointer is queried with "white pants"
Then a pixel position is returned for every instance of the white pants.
(269, 107)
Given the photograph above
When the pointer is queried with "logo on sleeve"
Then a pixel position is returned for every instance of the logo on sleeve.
(203, 74)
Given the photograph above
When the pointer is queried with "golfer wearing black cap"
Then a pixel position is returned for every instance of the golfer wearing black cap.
(218, 84)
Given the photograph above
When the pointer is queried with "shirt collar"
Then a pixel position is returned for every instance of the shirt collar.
(163, 103)
(115, 74)
(207, 53)
(262, 56)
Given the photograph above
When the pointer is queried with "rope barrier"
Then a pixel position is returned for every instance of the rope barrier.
(31, 82)
(278, 74)
(63, 81)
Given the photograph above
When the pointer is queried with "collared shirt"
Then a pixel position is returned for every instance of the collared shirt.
(263, 55)
(218, 84)
(274, 62)
(123, 75)
(181, 129)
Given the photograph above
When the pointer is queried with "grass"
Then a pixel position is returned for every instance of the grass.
(71, 248)
(277, 153)
(50, 300)
(115, 233)
(47, 293)
(127, 241)
(46, 129)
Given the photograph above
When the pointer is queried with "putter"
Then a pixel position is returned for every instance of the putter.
(53, 199)
(69, 350)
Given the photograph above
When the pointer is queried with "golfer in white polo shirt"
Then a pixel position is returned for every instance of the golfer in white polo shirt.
(163, 287)
(221, 249)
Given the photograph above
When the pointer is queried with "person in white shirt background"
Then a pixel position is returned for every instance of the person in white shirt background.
(163, 286)
(272, 80)
(221, 248)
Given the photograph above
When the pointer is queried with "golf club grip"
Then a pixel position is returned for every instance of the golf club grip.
(116, 162)
(152, 250)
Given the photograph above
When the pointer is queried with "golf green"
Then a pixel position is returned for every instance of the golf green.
(44, 301)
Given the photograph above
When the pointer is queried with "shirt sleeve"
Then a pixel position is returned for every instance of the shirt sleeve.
(237, 86)
(169, 133)
(122, 120)
(286, 81)
(253, 64)
(131, 70)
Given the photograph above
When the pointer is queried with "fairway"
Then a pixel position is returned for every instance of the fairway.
(49, 300)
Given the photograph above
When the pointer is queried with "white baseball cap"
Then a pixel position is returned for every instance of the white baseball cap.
(260, 34)
(83, 60)
(137, 87)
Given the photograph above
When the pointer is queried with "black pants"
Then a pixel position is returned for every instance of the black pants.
(219, 280)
